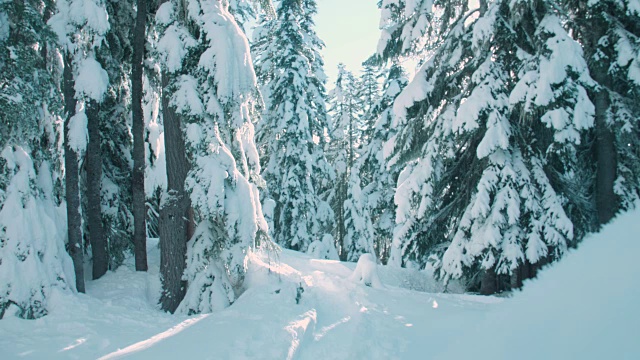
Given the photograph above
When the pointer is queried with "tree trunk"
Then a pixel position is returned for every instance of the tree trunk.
(74, 219)
(138, 194)
(191, 224)
(606, 201)
(605, 149)
(94, 180)
(174, 211)
(340, 221)
(488, 286)
(516, 277)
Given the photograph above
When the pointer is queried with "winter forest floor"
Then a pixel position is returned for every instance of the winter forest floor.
(585, 307)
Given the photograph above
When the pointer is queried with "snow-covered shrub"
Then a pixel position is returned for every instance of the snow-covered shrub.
(324, 249)
(291, 136)
(32, 234)
(366, 272)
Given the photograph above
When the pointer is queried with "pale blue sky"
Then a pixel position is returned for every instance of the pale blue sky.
(349, 28)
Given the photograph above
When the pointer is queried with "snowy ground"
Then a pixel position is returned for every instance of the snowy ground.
(586, 307)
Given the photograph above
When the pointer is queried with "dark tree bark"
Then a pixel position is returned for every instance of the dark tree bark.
(516, 278)
(74, 219)
(138, 194)
(174, 211)
(606, 200)
(488, 285)
(94, 179)
(191, 224)
(605, 148)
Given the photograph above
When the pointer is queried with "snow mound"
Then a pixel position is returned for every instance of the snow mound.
(366, 272)
(583, 307)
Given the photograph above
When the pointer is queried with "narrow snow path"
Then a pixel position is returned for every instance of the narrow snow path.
(335, 319)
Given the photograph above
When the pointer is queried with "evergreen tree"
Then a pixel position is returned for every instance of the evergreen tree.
(369, 97)
(378, 181)
(318, 79)
(115, 134)
(477, 129)
(292, 133)
(32, 256)
(344, 105)
(213, 92)
(359, 236)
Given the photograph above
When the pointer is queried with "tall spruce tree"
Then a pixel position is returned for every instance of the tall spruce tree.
(359, 236)
(292, 133)
(115, 134)
(369, 97)
(346, 110)
(211, 93)
(378, 181)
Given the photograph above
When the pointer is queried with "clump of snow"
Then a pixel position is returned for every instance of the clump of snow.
(80, 23)
(227, 61)
(165, 13)
(186, 99)
(91, 14)
(92, 80)
(366, 272)
(323, 249)
(173, 46)
(33, 261)
(77, 130)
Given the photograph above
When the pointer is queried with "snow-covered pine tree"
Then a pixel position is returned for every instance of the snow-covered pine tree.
(81, 27)
(346, 110)
(369, 96)
(378, 181)
(292, 132)
(214, 92)
(369, 90)
(115, 134)
(610, 33)
(475, 128)
(32, 256)
(155, 177)
(318, 79)
(359, 236)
